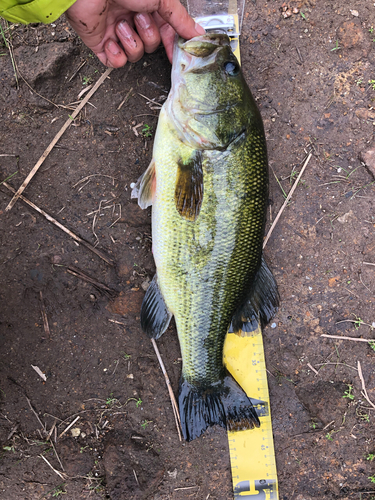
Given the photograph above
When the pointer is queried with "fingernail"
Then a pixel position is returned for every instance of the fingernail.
(199, 29)
(113, 48)
(143, 20)
(125, 29)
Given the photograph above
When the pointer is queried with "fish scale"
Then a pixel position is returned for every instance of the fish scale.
(235, 220)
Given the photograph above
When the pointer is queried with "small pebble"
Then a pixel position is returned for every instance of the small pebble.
(76, 431)
(273, 325)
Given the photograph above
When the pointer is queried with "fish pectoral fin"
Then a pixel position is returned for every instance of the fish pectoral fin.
(259, 307)
(144, 188)
(188, 193)
(155, 316)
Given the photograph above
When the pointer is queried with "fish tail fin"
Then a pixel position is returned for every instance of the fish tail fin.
(261, 303)
(224, 403)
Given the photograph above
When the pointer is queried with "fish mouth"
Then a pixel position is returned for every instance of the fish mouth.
(203, 45)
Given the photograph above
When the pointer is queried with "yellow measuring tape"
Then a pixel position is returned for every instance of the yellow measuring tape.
(252, 452)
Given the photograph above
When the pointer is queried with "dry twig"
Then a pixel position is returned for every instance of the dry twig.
(286, 201)
(345, 338)
(124, 100)
(56, 138)
(60, 474)
(44, 316)
(60, 226)
(69, 426)
(312, 368)
(171, 395)
(364, 392)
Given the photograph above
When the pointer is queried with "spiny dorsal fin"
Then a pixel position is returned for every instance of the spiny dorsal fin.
(155, 316)
(189, 187)
(144, 188)
(261, 303)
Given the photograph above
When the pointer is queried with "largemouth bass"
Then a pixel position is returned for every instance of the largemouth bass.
(208, 187)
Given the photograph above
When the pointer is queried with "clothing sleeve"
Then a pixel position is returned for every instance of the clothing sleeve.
(33, 11)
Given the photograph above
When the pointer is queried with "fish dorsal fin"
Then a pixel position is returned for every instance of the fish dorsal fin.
(144, 188)
(261, 303)
(155, 316)
(188, 193)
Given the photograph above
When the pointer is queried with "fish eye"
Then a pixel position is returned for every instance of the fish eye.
(231, 68)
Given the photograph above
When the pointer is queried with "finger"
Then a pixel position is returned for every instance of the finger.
(176, 15)
(130, 41)
(167, 34)
(148, 31)
(112, 56)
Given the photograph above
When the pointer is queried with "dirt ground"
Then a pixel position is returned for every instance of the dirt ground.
(312, 74)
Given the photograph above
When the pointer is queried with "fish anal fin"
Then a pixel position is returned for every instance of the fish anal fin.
(144, 188)
(260, 305)
(189, 186)
(155, 316)
(224, 404)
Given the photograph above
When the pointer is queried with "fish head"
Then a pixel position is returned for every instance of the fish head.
(210, 102)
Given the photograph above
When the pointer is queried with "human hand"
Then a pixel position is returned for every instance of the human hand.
(118, 31)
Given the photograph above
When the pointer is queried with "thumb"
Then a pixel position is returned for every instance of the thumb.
(177, 16)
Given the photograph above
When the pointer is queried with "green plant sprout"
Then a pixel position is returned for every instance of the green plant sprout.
(86, 80)
(372, 478)
(313, 425)
(329, 436)
(348, 393)
(59, 490)
(365, 417)
(9, 448)
(370, 457)
(336, 47)
(110, 400)
(127, 356)
(372, 84)
(146, 131)
(145, 423)
(372, 344)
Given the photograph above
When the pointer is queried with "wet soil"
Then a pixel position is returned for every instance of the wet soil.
(312, 76)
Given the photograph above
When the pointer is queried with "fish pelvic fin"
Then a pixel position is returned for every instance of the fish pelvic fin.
(224, 404)
(155, 316)
(144, 188)
(260, 306)
(189, 187)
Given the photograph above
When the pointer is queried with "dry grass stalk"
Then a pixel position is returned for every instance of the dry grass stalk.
(35, 413)
(76, 71)
(60, 474)
(44, 316)
(169, 387)
(312, 368)
(100, 286)
(60, 226)
(39, 372)
(286, 201)
(345, 338)
(69, 426)
(124, 100)
(364, 391)
(56, 138)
